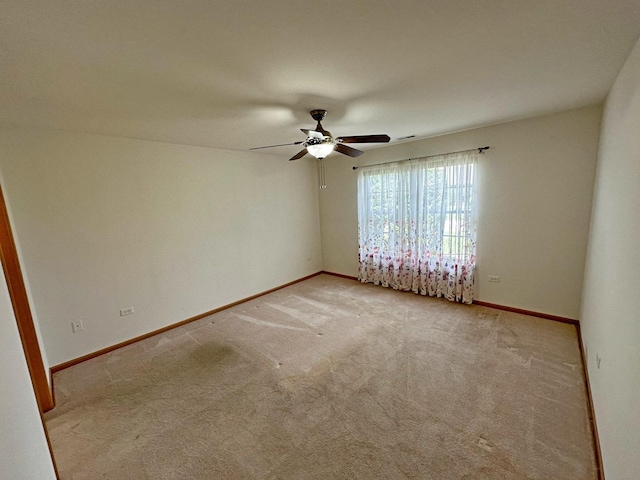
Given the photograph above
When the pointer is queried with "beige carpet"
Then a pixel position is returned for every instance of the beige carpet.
(332, 379)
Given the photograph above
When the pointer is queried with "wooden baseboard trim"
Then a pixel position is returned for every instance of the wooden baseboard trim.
(592, 412)
(89, 356)
(576, 323)
(349, 277)
(491, 305)
(531, 313)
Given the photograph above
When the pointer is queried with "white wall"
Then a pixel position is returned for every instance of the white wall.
(24, 453)
(536, 186)
(611, 299)
(105, 223)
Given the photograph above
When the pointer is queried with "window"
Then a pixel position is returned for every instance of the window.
(416, 224)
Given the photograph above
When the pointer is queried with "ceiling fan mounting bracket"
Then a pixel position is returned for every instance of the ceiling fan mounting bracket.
(318, 115)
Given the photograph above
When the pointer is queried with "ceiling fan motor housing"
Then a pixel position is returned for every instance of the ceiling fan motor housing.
(318, 115)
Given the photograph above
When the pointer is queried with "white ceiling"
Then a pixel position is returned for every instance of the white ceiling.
(241, 74)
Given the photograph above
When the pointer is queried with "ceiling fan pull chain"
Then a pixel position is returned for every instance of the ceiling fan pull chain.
(324, 175)
(321, 177)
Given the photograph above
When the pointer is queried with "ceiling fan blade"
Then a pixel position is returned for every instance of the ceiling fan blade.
(298, 155)
(280, 145)
(345, 150)
(312, 133)
(364, 139)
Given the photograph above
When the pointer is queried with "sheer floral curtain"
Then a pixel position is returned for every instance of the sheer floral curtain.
(417, 225)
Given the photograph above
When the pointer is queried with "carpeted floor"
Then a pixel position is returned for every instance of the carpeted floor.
(332, 379)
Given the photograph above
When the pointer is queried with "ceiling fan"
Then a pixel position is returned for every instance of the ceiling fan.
(321, 143)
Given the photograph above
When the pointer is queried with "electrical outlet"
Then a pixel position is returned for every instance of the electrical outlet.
(598, 360)
(126, 311)
(77, 326)
(494, 278)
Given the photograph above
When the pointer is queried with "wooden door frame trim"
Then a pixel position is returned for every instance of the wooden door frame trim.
(22, 310)
(24, 320)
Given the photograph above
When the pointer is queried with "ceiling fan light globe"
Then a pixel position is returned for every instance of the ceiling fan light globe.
(321, 149)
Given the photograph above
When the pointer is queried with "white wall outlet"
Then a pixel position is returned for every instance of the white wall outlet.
(494, 278)
(126, 311)
(77, 326)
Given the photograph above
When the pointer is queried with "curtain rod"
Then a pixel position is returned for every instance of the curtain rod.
(479, 149)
